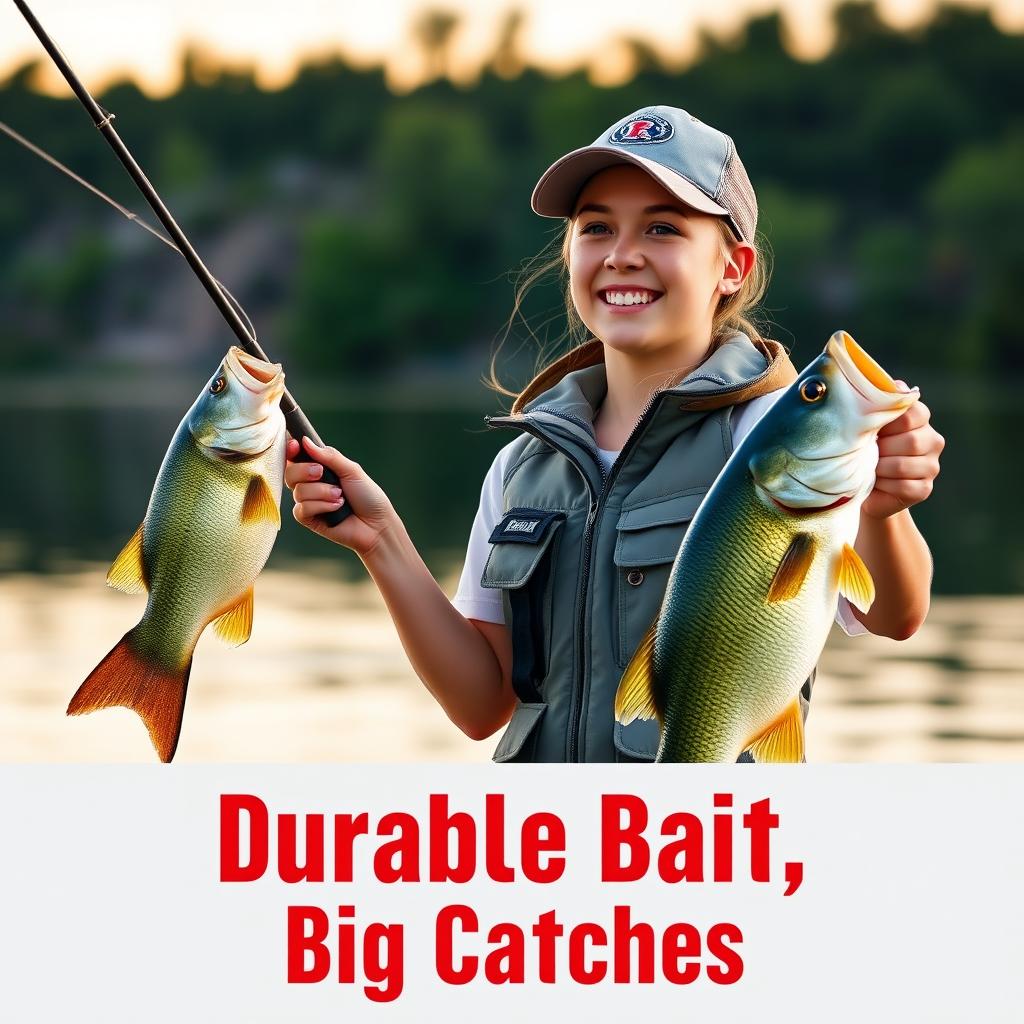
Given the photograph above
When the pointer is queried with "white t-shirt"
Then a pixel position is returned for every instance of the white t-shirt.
(476, 602)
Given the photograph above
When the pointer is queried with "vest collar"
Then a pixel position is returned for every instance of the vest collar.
(737, 370)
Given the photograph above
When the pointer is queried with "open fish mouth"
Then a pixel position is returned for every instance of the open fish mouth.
(866, 376)
(255, 375)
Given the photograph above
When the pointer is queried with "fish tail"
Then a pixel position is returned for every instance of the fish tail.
(124, 678)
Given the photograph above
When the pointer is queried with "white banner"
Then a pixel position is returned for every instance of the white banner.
(398, 893)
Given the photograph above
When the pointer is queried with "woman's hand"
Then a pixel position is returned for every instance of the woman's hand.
(908, 462)
(372, 513)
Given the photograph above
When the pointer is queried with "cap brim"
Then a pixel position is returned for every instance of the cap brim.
(556, 193)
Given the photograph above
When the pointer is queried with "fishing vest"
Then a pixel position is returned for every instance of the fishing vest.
(582, 557)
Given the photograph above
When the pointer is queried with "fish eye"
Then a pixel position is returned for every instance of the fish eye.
(218, 386)
(813, 390)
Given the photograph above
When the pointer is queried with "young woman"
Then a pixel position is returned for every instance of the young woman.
(582, 514)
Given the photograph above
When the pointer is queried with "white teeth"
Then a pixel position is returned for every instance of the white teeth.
(628, 298)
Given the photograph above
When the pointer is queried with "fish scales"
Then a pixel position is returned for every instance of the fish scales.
(200, 547)
(710, 631)
(209, 528)
(753, 590)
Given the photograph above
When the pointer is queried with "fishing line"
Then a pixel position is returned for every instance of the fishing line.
(134, 217)
(296, 420)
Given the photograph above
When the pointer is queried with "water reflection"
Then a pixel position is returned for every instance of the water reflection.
(92, 470)
(952, 692)
(324, 679)
(92, 459)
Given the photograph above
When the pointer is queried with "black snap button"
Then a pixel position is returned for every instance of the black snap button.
(635, 578)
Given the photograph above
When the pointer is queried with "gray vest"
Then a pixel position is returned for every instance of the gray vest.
(583, 557)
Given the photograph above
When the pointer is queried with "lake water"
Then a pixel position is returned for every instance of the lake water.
(324, 677)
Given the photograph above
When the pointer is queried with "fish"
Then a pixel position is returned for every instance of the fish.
(209, 528)
(755, 585)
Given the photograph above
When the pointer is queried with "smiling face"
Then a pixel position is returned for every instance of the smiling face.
(646, 272)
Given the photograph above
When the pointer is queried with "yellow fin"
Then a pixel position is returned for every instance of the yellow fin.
(634, 698)
(792, 571)
(258, 503)
(783, 741)
(235, 625)
(855, 582)
(128, 574)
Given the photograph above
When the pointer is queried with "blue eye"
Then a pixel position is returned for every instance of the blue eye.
(668, 229)
(588, 229)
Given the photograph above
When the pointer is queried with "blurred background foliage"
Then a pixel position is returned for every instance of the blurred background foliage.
(368, 233)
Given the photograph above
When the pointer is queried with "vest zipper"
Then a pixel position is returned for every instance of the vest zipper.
(576, 705)
(579, 683)
(608, 480)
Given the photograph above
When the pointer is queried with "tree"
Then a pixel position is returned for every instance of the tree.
(433, 30)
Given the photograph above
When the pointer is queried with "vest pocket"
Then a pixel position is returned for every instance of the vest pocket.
(520, 564)
(646, 546)
(519, 739)
(636, 742)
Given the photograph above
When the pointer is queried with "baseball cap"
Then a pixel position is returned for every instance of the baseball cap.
(696, 163)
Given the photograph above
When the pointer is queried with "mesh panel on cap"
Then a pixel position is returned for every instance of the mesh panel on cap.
(737, 196)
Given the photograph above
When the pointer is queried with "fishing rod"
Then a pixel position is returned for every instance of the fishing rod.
(133, 217)
(296, 420)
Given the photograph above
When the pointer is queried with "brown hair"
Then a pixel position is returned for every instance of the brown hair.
(734, 313)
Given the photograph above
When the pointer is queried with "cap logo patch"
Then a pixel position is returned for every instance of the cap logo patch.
(642, 131)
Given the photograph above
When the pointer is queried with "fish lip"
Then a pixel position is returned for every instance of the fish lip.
(238, 359)
(244, 426)
(231, 455)
(234, 373)
(822, 458)
(811, 509)
(865, 375)
(816, 490)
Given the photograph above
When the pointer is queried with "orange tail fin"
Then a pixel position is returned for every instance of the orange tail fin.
(125, 679)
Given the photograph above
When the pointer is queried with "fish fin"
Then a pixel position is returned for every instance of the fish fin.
(855, 582)
(235, 625)
(635, 696)
(124, 678)
(792, 571)
(258, 503)
(128, 572)
(783, 741)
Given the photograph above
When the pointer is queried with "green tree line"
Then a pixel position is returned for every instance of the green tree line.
(890, 176)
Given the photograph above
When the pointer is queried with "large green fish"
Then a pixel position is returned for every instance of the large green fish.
(754, 588)
(212, 521)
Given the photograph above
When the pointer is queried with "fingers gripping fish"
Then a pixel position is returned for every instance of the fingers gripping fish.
(210, 526)
(754, 588)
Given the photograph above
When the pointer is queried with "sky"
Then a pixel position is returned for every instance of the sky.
(143, 39)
